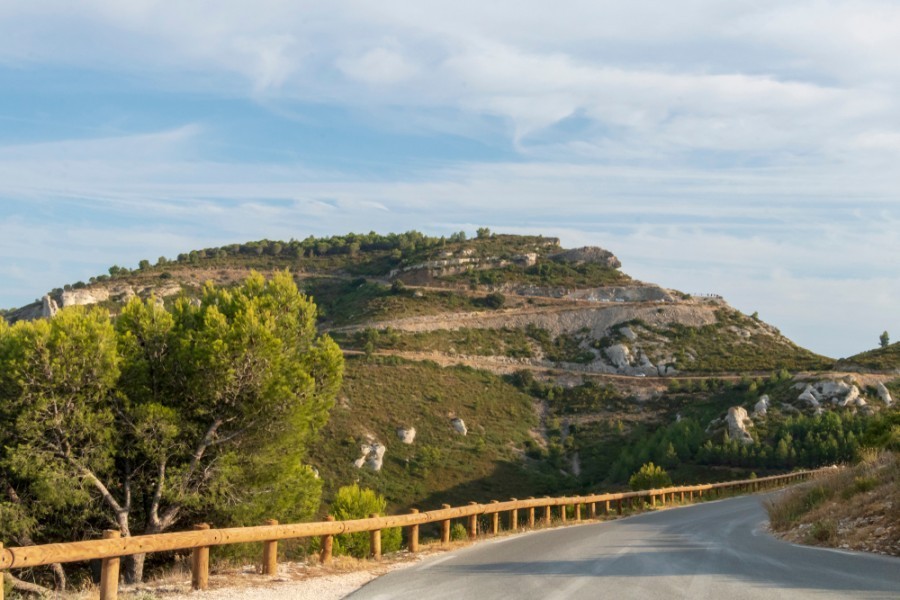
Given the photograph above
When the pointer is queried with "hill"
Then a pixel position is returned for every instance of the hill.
(881, 360)
(525, 368)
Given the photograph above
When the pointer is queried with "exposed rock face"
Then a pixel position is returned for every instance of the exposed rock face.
(619, 356)
(618, 293)
(809, 396)
(459, 425)
(836, 393)
(372, 456)
(738, 422)
(884, 394)
(852, 398)
(588, 254)
(48, 307)
(628, 333)
(761, 407)
(84, 296)
(407, 435)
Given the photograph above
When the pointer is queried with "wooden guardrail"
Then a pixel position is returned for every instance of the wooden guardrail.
(112, 547)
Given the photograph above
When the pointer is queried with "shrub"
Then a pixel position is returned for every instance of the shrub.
(458, 532)
(649, 477)
(495, 300)
(823, 531)
(353, 502)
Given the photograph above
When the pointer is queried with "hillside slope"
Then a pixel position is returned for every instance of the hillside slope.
(573, 374)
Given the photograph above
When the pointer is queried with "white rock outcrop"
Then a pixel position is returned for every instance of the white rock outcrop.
(407, 435)
(459, 425)
(619, 356)
(835, 393)
(738, 424)
(884, 394)
(372, 456)
(853, 398)
(84, 296)
(809, 396)
(761, 407)
(48, 307)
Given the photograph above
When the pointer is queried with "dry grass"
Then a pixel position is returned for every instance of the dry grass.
(855, 508)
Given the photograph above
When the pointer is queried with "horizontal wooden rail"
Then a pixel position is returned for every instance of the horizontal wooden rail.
(113, 547)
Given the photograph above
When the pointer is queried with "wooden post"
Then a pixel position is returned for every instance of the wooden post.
(606, 507)
(327, 545)
(513, 520)
(547, 515)
(619, 506)
(578, 512)
(531, 515)
(691, 495)
(682, 496)
(109, 570)
(473, 524)
(563, 509)
(270, 554)
(375, 541)
(200, 563)
(445, 528)
(495, 521)
(414, 533)
(700, 494)
(593, 512)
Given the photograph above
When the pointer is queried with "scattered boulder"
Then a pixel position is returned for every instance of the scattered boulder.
(628, 332)
(372, 456)
(884, 394)
(836, 393)
(619, 356)
(459, 425)
(809, 396)
(407, 435)
(761, 407)
(853, 398)
(738, 422)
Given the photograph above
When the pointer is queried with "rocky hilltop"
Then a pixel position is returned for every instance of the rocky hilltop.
(503, 365)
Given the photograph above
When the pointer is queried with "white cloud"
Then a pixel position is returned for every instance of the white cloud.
(378, 66)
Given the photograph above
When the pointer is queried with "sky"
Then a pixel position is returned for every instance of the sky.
(749, 149)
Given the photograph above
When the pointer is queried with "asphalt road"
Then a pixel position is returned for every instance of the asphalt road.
(711, 550)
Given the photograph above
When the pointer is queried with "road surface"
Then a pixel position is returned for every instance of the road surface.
(712, 550)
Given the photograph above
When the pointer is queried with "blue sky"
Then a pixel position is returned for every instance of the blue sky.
(744, 148)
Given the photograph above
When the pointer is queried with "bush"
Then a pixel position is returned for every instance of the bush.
(495, 300)
(458, 532)
(649, 477)
(353, 502)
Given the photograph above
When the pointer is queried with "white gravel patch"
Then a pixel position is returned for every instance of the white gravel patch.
(325, 587)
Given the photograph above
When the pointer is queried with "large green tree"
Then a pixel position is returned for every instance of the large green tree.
(204, 411)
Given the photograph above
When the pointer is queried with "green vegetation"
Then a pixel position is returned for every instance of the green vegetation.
(352, 502)
(475, 342)
(381, 395)
(885, 359)
(546, 273)
(649, 477)
(716, 348)
(202, 412)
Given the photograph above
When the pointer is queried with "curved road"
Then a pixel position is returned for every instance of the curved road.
(711, 550)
